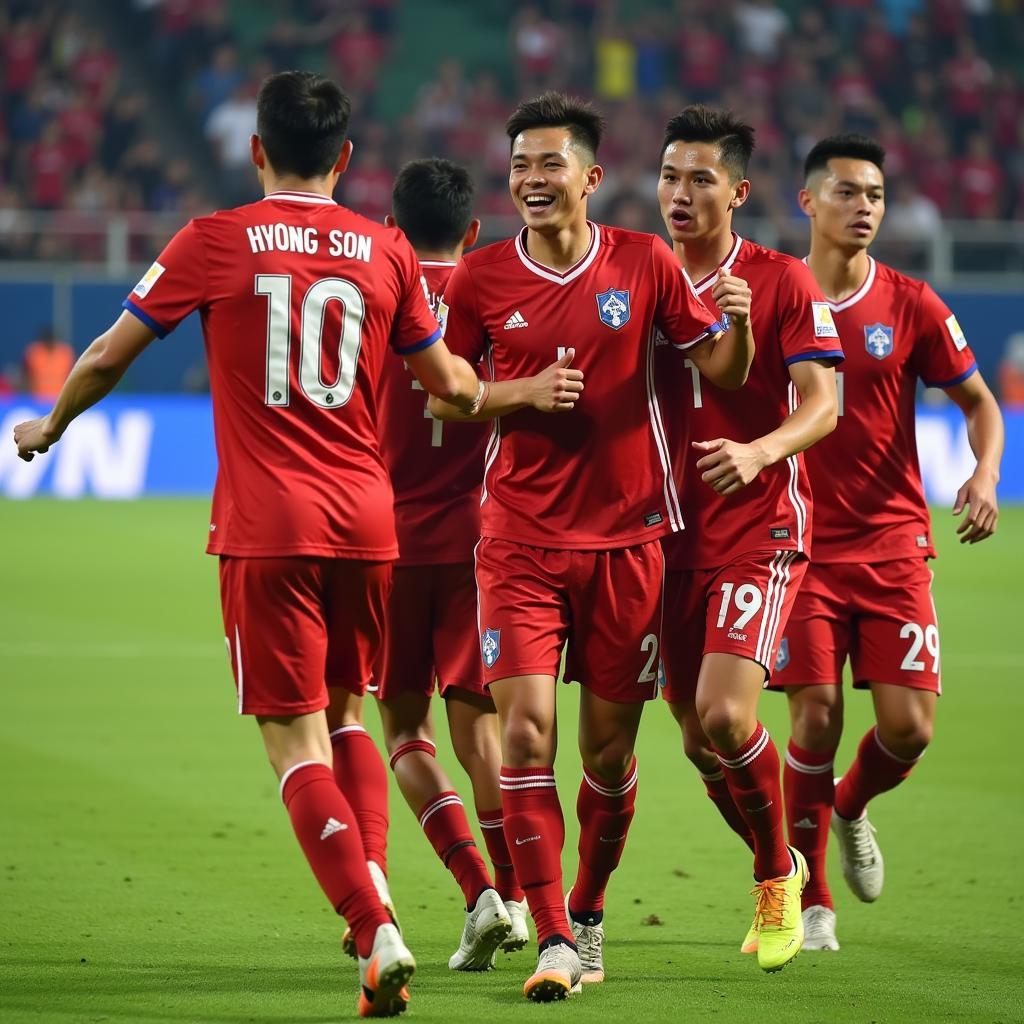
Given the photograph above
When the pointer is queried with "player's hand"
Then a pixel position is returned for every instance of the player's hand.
(557, 388)
(732, 296)
(729, 466)
(34, 436)
(979, 494)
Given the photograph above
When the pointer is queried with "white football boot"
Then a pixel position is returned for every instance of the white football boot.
(589, 939)
(519, 936)
(820, 928)
(557, 976)
(487, 926)
(383, 975)
(860, 857)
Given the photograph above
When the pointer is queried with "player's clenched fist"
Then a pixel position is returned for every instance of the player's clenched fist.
(557, 388)
(33, 436)
(732, 296)
(729, 466)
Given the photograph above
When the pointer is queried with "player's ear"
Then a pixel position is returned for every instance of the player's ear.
(806, 201)
(389, 221)
(594, 175)
(739, 196)
(341, 166)
(472, 233)
(256, 152)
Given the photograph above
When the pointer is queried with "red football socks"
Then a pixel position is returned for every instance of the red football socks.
(492, 824)
(604, 811)
(874, 770)
(443, 819)
(808, 789)
(752, 773)
(718, 793)
(535, 831)
(360, 773)
(328, 833)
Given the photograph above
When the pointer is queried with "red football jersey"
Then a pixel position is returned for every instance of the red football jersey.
(299, 299)
(869, 505)
(597, 477)
(791, 322)
(436, 468)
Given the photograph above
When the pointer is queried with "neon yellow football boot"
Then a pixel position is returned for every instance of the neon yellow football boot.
(780, 926)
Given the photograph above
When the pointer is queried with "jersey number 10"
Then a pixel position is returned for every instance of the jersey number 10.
(278, 289)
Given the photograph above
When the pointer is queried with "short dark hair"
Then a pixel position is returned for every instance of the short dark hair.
(697, 123)
(302, 120)
(849, 146)
(432, 202)
(557, 110)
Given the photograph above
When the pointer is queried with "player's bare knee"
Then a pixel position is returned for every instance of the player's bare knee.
(611, 761)
(816, 717)
(907, 738)
(727, 724)
(526, 742)
(393, 740)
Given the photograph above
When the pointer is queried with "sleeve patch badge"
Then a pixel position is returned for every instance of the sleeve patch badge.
(442, 315)
(148, 279)
(956, 333)
(824, 325)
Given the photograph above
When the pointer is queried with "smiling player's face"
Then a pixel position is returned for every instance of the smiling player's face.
(548, 179)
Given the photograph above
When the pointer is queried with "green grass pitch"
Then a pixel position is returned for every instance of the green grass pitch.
(149, 873)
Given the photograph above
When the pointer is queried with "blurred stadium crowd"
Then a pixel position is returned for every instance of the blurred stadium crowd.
(147, 105)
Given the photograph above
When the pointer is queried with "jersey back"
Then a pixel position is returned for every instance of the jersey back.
(790, 322)
(299, 299)
(436, 467)
(868, 499)
(597, 477)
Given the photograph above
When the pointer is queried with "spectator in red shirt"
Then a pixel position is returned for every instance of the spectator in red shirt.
(980, 180)
(47, 169)
(357, 53)
(20, 49)
(968, 78)
(702, 56)
(95, 69)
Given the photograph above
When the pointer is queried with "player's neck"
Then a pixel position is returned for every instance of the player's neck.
(839, 272)
(439, 255)
(561, 249)
(293, 183)
(703, 256)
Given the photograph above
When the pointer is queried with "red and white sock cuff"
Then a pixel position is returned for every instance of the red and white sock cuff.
(347, 730)
(888, 753)
(749, 751)
(712, 776)
(424, 746)
(620, 788)
(431, 807)
(512, 779)
(810, 762)
(300, 775)
(490, 819)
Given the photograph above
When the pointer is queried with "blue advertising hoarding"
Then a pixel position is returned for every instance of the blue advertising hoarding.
(162, 445)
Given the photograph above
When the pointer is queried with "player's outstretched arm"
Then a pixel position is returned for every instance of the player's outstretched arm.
(726, 360)
(448, 377)
(986, 434)
(729, 466)
(98, 369)
(555, 389)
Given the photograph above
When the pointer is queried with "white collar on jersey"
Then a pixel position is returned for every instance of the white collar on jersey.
(301, 197)
(838, 307)
(709, 279)
(437, 263)
(554, 276)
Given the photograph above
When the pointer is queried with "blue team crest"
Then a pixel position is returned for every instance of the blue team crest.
(782, 658)
(490, 646)
(613, 308)
(878, 340)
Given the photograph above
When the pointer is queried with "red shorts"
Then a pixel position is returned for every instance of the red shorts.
(430, 630)
(740, 609)
(605, 604)
(296, 626)
(880, 616)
